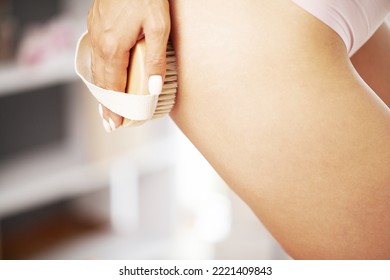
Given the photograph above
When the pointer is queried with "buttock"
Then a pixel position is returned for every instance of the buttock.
(355, 21)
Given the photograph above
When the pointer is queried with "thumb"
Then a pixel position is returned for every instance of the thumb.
(156, 44)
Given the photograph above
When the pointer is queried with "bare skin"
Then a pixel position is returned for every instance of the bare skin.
(269, 96)
(281, 114)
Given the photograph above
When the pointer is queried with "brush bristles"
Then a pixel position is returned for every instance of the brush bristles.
(166, 100)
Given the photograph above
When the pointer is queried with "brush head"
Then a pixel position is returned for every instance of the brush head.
(137, 80)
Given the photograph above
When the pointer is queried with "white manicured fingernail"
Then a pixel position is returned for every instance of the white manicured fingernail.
(112, 124)
(101, 110)
(106, 126)
(155, 84)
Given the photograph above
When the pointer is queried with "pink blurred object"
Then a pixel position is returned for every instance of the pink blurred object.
(43, 43)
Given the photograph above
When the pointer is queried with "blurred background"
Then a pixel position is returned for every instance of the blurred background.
(69, 190)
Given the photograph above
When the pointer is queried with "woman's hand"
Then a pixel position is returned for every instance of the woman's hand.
(114, 27)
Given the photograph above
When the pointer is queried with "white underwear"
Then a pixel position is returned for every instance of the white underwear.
(354, 20)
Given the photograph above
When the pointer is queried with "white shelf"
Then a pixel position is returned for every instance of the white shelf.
(15, 78)
(55, 173)
(47, 175)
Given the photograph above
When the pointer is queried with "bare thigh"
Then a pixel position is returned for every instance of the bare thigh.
(269, 97)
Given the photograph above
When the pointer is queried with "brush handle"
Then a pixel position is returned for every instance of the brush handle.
(137, 80)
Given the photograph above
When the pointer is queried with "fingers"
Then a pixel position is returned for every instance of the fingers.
(111, 39)
(156, 36)
(113, 30)
(106, 124)
(109, 64)
(110, 120)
